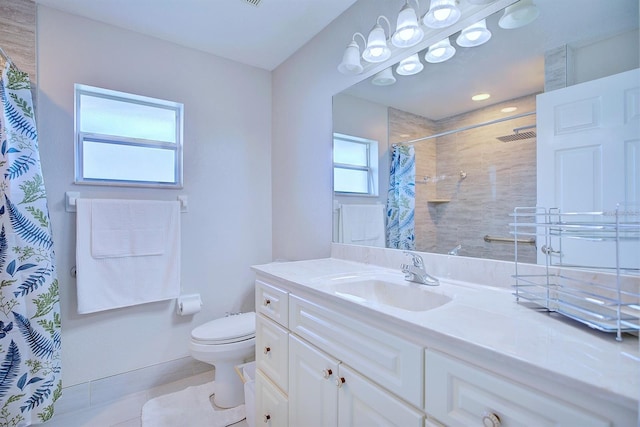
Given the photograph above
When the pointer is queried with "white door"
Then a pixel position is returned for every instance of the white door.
(313, 393)
(589, 160)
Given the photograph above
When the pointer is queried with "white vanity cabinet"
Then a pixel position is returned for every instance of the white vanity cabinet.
(272, 355)
(323, 361)
(338, 371)
(461, 394)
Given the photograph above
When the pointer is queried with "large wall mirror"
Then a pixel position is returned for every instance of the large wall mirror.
(475, 161)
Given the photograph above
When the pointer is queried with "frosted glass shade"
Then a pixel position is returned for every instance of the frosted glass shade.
(442, 13)
(384, 78)
(377, 49)
(474, 35)
(440, 52)
(518, 15)
(351, 60)
(410, 66)
(408, 32)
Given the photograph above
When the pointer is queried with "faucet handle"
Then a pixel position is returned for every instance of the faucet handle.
(417, 259)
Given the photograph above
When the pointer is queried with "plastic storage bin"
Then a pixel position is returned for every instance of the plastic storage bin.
(247, 373)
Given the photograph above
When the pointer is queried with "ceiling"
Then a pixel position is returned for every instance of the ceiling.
(509, 65)
(263, 36)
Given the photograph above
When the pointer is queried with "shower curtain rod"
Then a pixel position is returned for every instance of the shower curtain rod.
(449, 132)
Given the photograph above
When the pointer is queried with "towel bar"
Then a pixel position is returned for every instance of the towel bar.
(71, 198)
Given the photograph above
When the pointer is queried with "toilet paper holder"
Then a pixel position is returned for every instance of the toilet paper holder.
(188, 304)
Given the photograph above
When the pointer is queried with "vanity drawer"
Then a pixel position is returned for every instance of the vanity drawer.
(393, 363)
(272, 351)
(272, 407)
(272, 302)
(460, 394)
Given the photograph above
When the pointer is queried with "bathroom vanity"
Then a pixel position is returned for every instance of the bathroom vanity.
(340, 343)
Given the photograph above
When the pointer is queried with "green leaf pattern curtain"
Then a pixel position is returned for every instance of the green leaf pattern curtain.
(30, 371)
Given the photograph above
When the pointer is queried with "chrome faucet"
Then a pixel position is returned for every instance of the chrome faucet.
(416, 272)
(455, 250)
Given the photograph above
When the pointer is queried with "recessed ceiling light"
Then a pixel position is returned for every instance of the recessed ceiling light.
(481, 97)
(509, 109)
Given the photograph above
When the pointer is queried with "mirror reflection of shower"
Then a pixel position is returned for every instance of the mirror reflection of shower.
(472, 170)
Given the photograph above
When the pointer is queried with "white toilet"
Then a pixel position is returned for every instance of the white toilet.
(225, 343)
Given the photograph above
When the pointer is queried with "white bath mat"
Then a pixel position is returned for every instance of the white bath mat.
(189, 407)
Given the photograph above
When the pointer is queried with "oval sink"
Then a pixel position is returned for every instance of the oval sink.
(381, 292)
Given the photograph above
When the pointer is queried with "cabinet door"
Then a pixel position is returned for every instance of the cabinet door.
(271, 403)
(313, 393)
(362, 403)
(272, 351)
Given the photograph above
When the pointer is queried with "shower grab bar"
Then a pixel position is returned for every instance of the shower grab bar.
(489, 239)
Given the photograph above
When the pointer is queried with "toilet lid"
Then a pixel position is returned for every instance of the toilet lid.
(237, 327)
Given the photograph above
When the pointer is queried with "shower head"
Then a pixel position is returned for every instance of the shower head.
(518, 135)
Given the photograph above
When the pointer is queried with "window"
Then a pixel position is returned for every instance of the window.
(355, 165)
(125, 139)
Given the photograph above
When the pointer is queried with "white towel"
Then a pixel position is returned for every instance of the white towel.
(362, 225)
(127, 253)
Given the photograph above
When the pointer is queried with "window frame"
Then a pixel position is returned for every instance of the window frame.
(371, 167)
(114, 140)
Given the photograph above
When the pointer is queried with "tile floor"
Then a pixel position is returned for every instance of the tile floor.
(126, 411)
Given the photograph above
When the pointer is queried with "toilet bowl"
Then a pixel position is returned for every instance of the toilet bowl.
(225, 343)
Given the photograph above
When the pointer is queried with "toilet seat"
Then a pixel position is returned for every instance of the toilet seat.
(230, 329)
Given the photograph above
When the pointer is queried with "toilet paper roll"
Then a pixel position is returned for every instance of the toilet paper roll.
(188, 304)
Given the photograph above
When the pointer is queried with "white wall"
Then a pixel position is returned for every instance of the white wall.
(227, 178)
(302, 134)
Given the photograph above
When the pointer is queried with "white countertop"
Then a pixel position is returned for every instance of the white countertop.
(489, 318)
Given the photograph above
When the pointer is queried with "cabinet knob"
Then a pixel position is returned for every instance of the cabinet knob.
(490, 420)
(267, 350)
(266, 302)
(266, 418)
(340, 381)
(326, 373)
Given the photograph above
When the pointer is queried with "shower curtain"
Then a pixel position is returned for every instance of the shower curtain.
(401, 199)
(29, 302)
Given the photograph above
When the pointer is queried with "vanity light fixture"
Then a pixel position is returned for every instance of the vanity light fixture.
(440, 52)
(442, 13)
(410, 66)
(474, 35)
(351, 58)
(518, 15)
(384, 78)
(377, 49)
(408, 32)
(480, 97)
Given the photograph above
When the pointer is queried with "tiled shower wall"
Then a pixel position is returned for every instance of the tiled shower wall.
(18, 35)
(452, 210)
